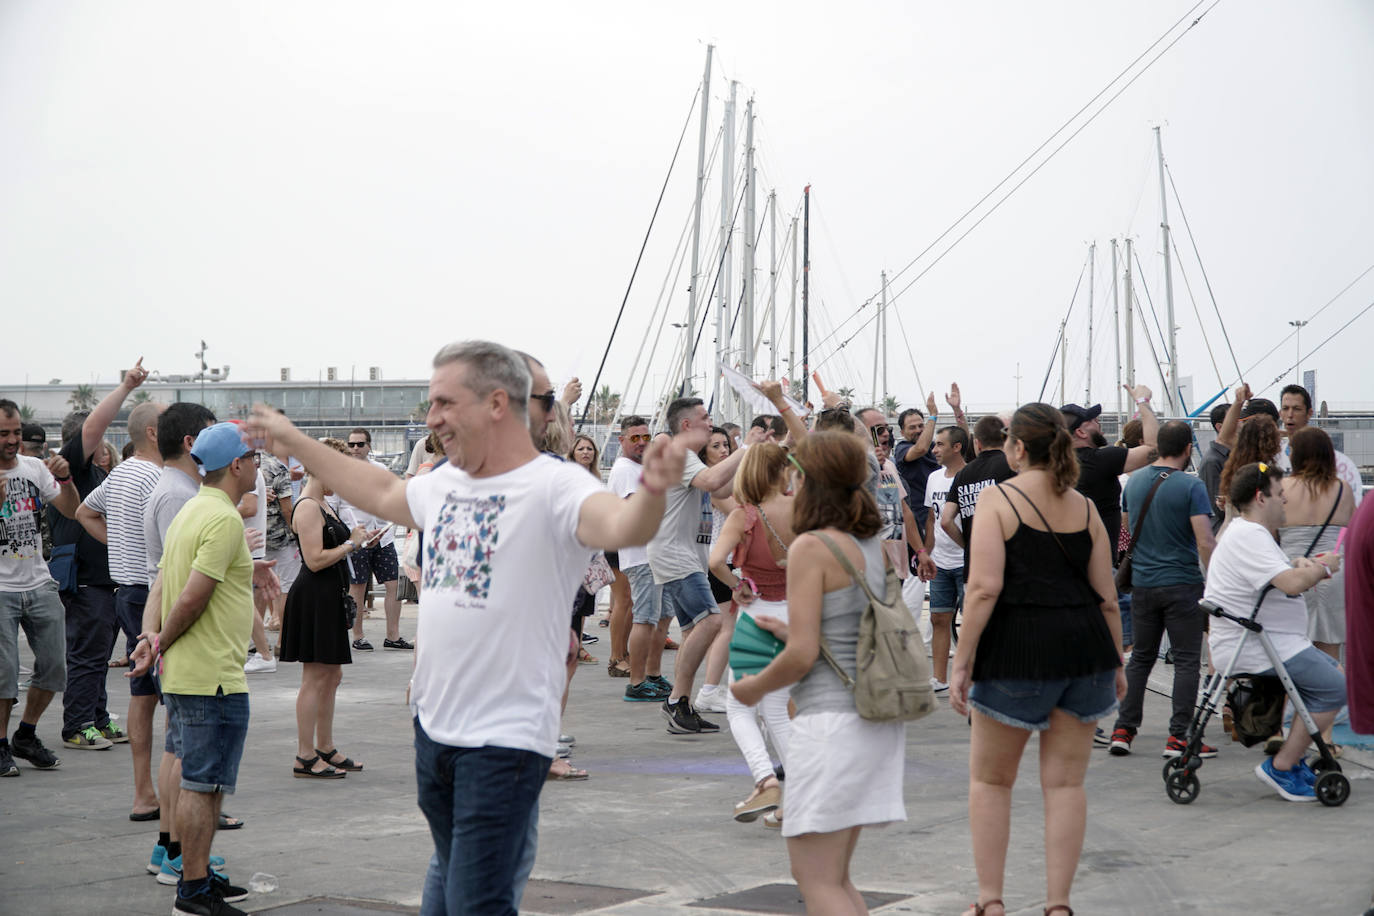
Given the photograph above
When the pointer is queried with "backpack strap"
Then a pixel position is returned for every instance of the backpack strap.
(1144, 508)
(863, 583)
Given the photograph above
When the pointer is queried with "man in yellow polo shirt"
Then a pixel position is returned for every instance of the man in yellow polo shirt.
(207, 618)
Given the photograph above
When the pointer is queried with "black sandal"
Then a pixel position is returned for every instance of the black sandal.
(978, 908)
(1059, 906)
(304, 771)
(346, 764)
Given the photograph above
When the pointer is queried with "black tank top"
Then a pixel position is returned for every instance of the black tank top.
(1048, 621)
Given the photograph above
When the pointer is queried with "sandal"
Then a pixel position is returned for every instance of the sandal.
(618, 667)
(1059, 906)
(229, 822)
(346, 764)
(978, 908)
(586, 658)
(304, 771)
(565, 772)
(763, 799)
(119, 662)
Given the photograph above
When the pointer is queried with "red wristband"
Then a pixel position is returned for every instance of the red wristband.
(62, 480)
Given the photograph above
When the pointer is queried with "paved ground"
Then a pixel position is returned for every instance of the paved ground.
(654, 820)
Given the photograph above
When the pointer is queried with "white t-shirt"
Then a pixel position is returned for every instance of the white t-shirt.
(1245, 560)
(28, 486)
(501, 566)
(121, 498)
(624, 481)
(258, 519)
(683, 542)
(1345, 469)
(947, 554)
(418, 456)
(353, 516)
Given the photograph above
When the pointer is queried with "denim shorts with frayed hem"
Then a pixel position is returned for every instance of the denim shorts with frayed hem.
(1027, 704)
(690, 599)
(212, 731)
(645, 595)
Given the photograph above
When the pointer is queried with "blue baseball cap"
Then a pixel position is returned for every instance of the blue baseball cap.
(217, 446)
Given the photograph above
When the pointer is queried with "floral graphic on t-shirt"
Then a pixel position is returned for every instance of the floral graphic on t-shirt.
(460, 544)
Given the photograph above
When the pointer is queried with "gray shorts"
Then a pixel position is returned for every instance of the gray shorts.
(40, 614)
(288, 559)
(647, 597)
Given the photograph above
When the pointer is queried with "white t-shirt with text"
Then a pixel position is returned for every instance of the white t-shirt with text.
(947, 554)
(1245, 560)
(501, 566)
(623, 482)
(28, 487)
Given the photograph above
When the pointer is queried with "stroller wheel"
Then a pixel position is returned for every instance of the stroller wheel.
(1332, 789)
(1182, 786)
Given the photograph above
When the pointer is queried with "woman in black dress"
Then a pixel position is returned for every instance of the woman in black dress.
(315, 630)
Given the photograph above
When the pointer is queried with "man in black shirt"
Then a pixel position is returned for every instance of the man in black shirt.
(913, 453)
(988, 468)
(1100, 465)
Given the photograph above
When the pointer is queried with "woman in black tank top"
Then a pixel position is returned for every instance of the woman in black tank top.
(1039, 650)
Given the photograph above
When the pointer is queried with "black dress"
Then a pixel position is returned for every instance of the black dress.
(315, 624)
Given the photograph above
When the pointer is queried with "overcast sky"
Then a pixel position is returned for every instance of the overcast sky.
(313, 184)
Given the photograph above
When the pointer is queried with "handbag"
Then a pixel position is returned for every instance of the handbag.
(62, 567)
(1123, 572)
(599, 574)
(751, 647)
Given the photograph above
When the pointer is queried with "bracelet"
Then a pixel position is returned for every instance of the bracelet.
(1327, 570)
(920, 550)
(62, 480)
(1142, 400)
(784, 408)
(644, 485)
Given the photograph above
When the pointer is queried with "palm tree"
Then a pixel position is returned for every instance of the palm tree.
(846, 393)
(82, 398)
(142, 397)
(26, 413)
(891, 405)
(421, 411)
(604, 404)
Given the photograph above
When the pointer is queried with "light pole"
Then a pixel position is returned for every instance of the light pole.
(1297, 370)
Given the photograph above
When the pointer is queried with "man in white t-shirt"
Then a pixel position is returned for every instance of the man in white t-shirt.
(493, 637)
(1246, 562)
(942, 559)
(28, 593)
(376, 558)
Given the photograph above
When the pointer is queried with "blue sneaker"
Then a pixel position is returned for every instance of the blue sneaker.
(643, 692)
(170, 871)
(155, 861)
(1308, 774)
(665, 686)
(1290, 784)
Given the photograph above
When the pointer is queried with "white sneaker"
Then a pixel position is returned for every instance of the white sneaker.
(710, 699)
(259, 665)
(938, 685)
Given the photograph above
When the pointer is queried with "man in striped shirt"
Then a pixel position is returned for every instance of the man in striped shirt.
(113, 515)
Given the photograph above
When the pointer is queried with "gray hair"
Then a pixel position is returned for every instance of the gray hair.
(491, 366)
(143, 415)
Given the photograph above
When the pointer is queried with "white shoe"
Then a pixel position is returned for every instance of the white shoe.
(710, 699)
(938, 685)
(259, 665)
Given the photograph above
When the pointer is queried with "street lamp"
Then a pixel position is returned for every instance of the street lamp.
(1297, 371)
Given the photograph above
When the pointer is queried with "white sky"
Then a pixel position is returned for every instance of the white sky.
(309, 184)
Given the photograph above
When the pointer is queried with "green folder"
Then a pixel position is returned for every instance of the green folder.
(751, 647)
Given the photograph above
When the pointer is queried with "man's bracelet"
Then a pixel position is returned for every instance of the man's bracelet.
(644, 485)
(62, 480)
(1326, 569)
(784, 408)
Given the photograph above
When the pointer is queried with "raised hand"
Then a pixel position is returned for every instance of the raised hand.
(663, 463)
(954, 399)
(268, 427)
(135, 376)
(1139, 392)
(1243, 393)
(770, 389)
(931, 407)
(571, 392)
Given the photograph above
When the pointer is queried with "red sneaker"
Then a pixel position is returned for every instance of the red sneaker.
(1175, 747)
(1121, 742)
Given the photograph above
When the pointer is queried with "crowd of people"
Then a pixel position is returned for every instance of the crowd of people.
(207, 536)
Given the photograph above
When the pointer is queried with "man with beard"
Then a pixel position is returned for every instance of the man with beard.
(1100, 465)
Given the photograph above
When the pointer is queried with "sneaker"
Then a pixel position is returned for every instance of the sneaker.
(160, 855)
(207, 903)
(114, 734)
(7, 766)
(227, 892)
(362, 645)
(1308, 774)
(1121, 742)
(398, 643)
(643, 692)
(710, 698)
(170, 872)
(88, 739)
(569, 740)
(563, 751)
(259, 665)
(1101, 738)
(1175, 747)
(32, 750)
(705, 726)
(938, 685)
(1290, 784)
(681, 719)
(590, 639)
(664, 685)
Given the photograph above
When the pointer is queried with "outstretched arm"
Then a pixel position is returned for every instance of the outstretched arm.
(606, 522)
(93, 430)
(1139, 456)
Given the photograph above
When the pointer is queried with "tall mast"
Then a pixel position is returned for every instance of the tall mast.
(1129, 324)
(792, 313)
(746, 337)
(883, 321)
(772, 284)
(877, 351)
(1063, 359)
(1092, 269)
(692, 291)
(806, 291)
(1116, 324)
(727, 200)
(1174, 393)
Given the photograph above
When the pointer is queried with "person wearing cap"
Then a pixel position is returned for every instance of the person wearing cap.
(33, 441)
(1100, 465)
(1295, 412)
(206, 620)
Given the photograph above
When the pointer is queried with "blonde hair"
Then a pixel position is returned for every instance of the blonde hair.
(760, 474)
(558, 435)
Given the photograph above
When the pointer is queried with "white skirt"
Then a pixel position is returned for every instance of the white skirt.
(842, 772)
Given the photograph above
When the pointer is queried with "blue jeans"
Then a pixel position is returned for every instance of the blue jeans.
(480, 802)
(690, 598)
(91, 628)
(129, 603)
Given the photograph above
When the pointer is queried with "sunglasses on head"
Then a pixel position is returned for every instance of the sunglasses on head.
(638, 437)
(547, 399)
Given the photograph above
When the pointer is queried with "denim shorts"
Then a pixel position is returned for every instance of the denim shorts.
(690, 598)
(212, 731)
(40, 614)
(1028, 704)
(129, 603)
(171, 742)
(946, 590)
(1318, 678)
(645, 595)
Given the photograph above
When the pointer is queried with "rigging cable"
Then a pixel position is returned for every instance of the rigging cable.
(1154, 354)
(645, 244)
(1047, 160)
(1205, 279)
(1050, 368)
(1206, 341)
(1278, 378)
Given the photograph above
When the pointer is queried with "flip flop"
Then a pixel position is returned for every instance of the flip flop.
(146, 815)
(229, 822)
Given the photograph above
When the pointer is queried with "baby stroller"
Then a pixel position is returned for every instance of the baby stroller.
(1180, 773)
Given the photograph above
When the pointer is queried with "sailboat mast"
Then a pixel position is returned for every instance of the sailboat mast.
(1174, 393)
(727, 200)
(692, 286)
(746, 337)
(1092, 269)
(772, 284)
(792, 315)
(877, 353)
(806, 292)
(1129, 324)
(1063, 360)
(884, 324)
(1116, 325)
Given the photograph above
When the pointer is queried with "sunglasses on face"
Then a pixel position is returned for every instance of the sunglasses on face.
(546, 399)
(356, 444)
(638, 437)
